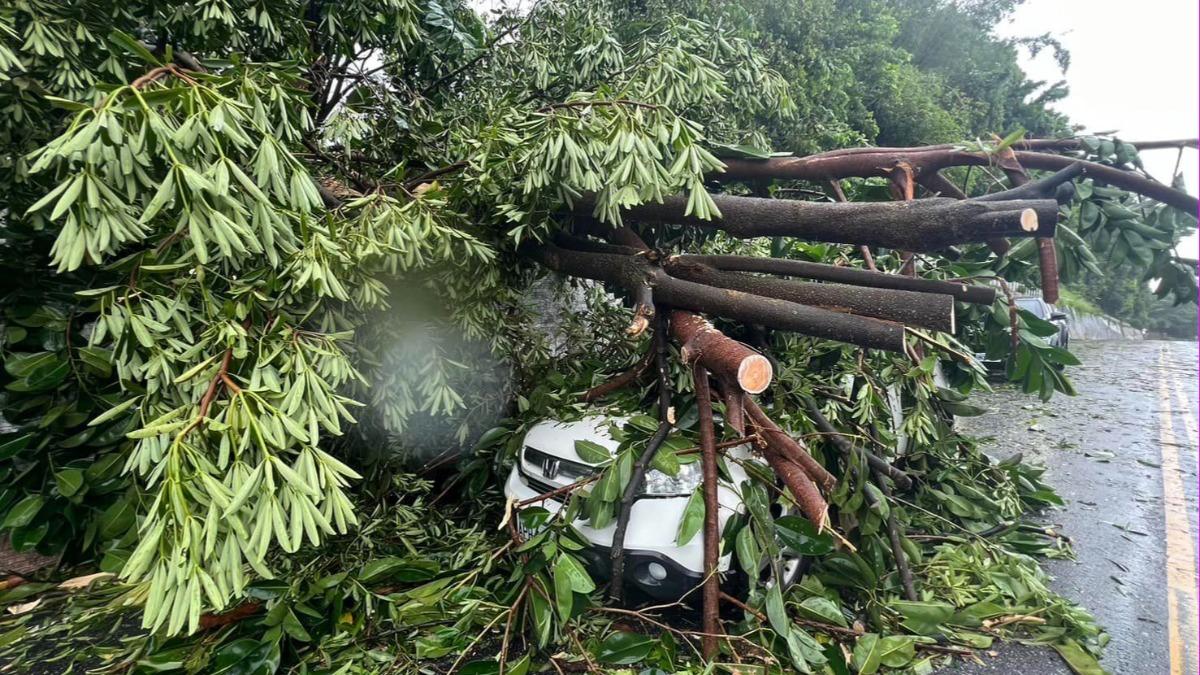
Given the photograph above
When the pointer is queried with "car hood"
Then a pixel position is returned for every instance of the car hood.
(558, 438)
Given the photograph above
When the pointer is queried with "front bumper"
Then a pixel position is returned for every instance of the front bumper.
(649, 540)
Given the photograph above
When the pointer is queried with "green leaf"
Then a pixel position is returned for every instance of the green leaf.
(866, 656)
(776, 613)
(481, 667)
(114, 411)
(246, 656)
(666, 461)
(293, 627)
(1015, 136)
(14, 444)
(623, 648)
(577, 577)
(896, 651)
(116, 519)
(22, 514)
(823, 609)
(564, 596)
(592, 453)
(923, 618)
(693, 518)
(133, 46)
(801, 536)
(543, 618)
(69, 481)
(409, 570)
(1080, 662)
(747, 551)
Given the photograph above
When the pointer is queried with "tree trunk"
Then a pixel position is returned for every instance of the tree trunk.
(630, 272)
(980, 295)
(925, 310)
(921, 225)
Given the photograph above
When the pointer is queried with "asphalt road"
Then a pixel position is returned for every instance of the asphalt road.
(1123, 454)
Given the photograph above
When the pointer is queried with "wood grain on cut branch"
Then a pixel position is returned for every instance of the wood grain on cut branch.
(980, 295)
(630, 272)
(926, 310)
(732, 361)
(921, 225)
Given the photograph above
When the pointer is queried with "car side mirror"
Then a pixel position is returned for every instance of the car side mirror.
(1058, 316)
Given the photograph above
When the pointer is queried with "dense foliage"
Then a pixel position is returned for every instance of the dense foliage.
(256, 251)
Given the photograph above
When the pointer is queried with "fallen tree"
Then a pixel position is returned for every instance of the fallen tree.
(255, 264)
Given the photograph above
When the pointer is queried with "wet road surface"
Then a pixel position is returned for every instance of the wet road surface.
(1123, 455)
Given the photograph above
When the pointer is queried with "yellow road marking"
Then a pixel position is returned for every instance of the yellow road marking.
(1183, 403)
(1181, 563)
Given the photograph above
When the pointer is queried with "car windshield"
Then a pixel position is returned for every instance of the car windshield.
(1032, 305)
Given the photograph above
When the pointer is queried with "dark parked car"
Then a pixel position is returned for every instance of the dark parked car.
(1046, 312)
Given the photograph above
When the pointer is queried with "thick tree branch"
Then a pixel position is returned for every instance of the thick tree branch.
(777, 441)
(927, 310)
(981, 295)
(730, 360)
(921, 225)
(631, 272)
(866, 162)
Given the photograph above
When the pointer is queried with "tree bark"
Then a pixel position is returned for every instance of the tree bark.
(630, 272)
(866, 162)
(938, 184)
(921, 225)
(616, 587)
(1047, 256)
(805, 492)
(778, 442)
(712, 533)
(980, 295)
(925, 310)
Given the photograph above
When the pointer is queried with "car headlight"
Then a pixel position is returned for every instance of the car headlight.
(683, 483)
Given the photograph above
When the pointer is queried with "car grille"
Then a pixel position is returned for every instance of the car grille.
(539, 487)
(553, 468)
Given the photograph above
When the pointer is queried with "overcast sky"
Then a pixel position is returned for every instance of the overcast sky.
(1133, 70)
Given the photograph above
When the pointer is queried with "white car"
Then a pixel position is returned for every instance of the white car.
(654, 563)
